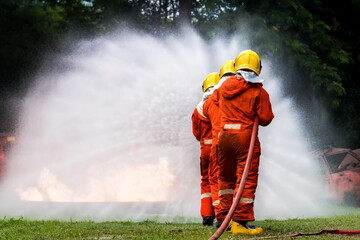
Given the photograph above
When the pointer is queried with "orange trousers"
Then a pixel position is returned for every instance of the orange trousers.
(206, 208)
(213, 177)
(233, 148)
(2, 165)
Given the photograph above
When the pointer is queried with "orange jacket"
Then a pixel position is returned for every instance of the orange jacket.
(212, 112)
(239, 101)
(201, 127)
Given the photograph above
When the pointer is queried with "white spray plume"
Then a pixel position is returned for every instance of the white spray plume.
(110, 137)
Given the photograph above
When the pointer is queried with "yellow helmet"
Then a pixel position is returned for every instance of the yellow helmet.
(228, 67)
(211, 80)
(248, 60)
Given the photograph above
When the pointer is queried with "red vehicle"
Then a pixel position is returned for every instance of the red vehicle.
(6, 139)
(342, 173)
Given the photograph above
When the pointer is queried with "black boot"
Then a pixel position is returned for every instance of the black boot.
(208, 221)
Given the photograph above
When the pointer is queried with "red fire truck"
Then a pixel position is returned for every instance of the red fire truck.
(342, 173)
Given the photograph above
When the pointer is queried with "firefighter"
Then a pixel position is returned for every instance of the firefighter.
(5, 142)
(212, 112)
(241, 98)
(202, 131)
(2, 158)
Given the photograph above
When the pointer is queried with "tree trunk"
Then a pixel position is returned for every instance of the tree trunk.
(166, 2)
(173, 9)
(160, 8)
(185, 11)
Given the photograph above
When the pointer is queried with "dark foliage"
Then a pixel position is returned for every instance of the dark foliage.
(316, 42)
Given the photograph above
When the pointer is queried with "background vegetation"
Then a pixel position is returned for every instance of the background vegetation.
(316, 43)
(19, 228)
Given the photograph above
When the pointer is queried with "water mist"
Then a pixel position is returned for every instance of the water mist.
(108, 137)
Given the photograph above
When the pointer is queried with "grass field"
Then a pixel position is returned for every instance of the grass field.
(21, 228)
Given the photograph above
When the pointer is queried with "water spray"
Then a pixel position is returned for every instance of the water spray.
(103, 131)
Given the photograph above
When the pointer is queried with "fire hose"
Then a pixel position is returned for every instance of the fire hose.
(244, 176)
(337, 231)
(236, 200)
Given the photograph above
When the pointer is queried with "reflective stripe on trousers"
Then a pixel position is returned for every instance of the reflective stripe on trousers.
(246, 200)
(205, 195)
(226, 191)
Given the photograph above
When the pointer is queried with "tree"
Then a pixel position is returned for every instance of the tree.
(25, 30)
(315, 41)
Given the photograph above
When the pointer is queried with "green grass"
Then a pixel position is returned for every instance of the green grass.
(21, 228)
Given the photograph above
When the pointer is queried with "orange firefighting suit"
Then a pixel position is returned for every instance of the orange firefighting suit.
(202, 131)
(239, 102)
(212, 112)
(2, 157)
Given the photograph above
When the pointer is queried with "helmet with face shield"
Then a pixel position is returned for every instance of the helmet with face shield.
(228, 67)
(248, 65)
(211, 80)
